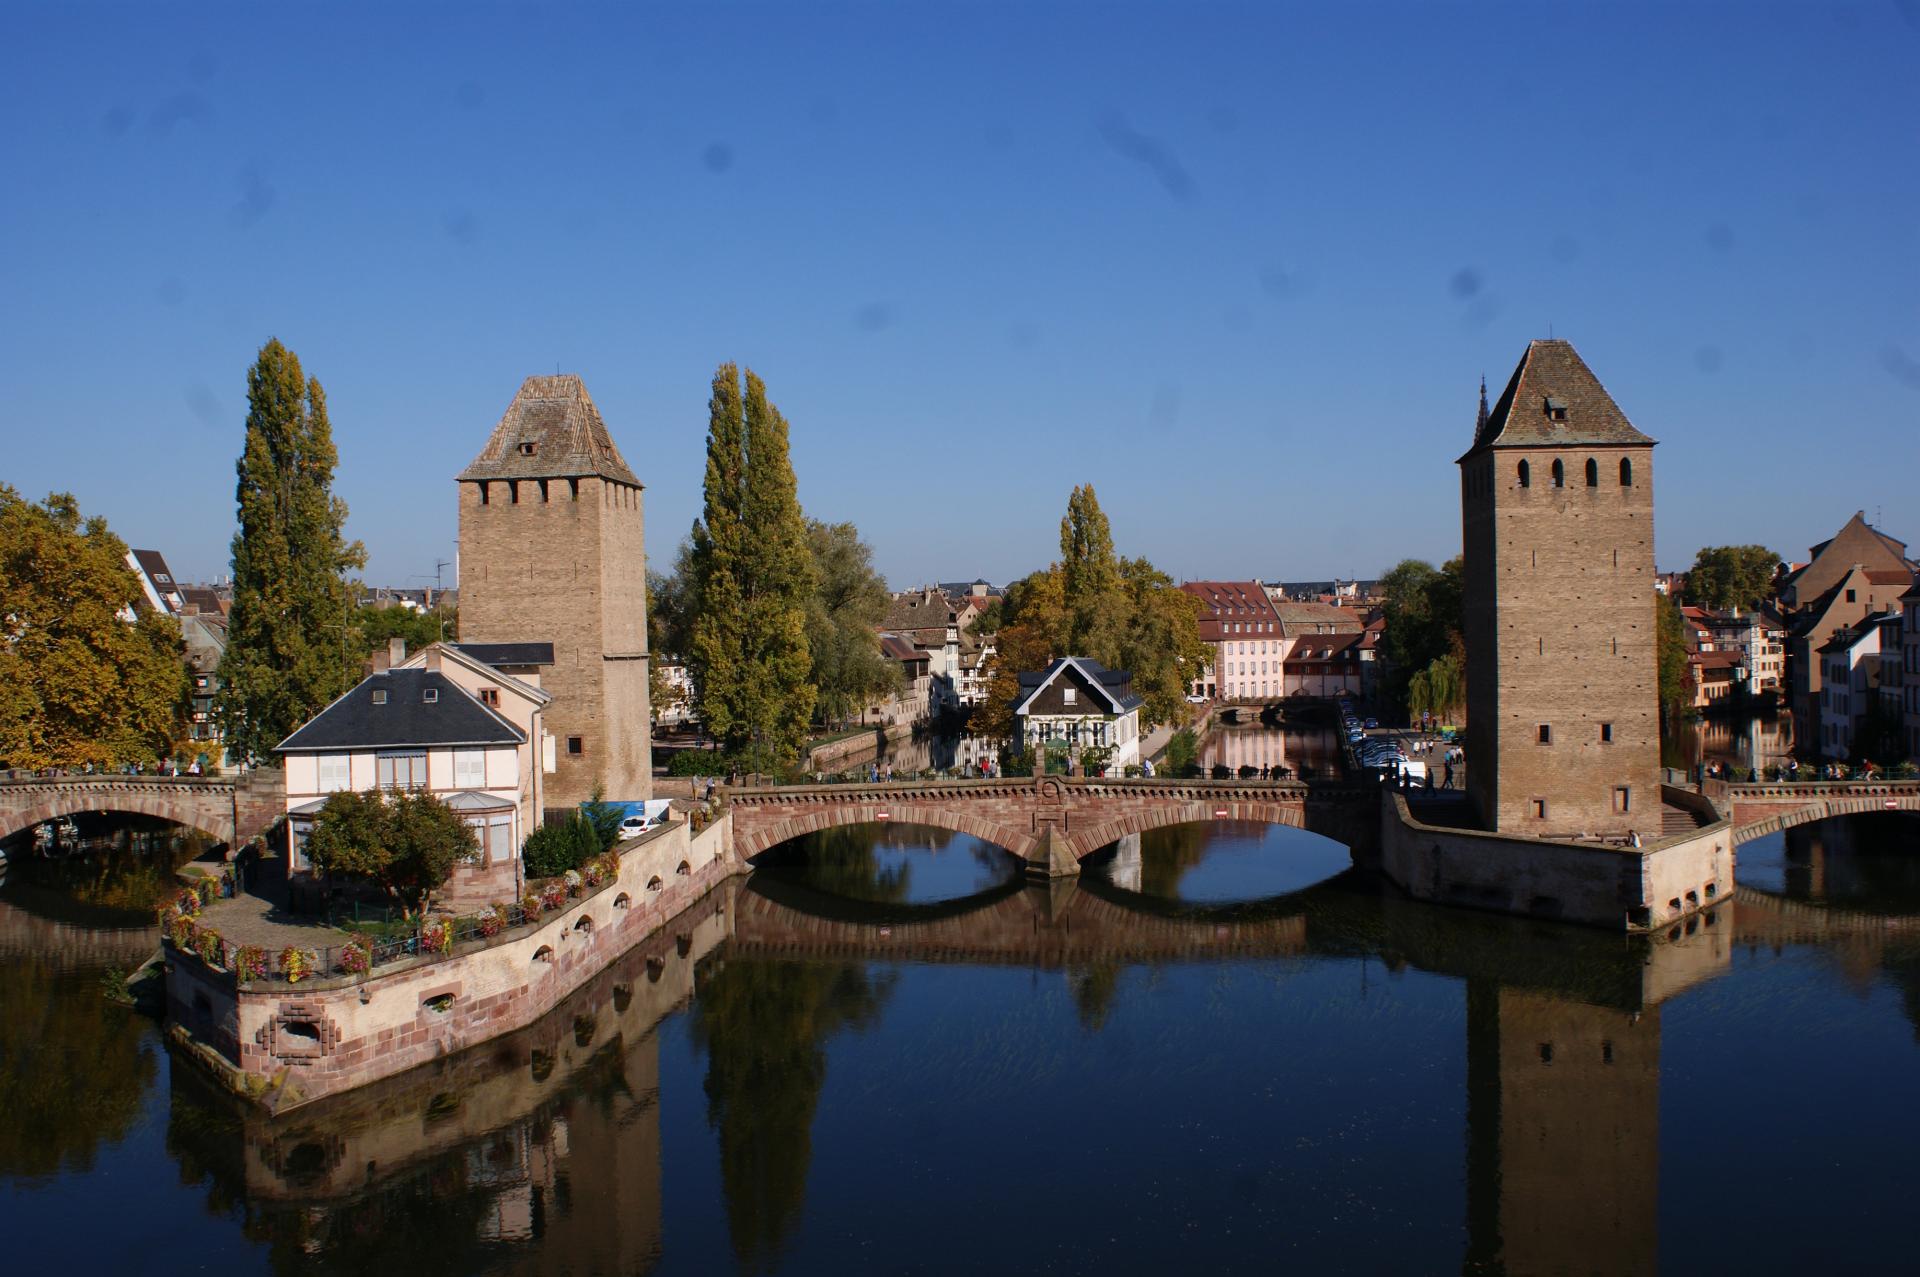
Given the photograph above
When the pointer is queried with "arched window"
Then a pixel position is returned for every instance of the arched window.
(584, 926)
(1626, 472)
(622, 901)
(1593, 473)
(543, 954)
(1526, 475)
(684, 869)
(1559, 474)
(653, 883)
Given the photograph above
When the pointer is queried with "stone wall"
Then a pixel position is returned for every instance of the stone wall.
(328, 1035)
(1598, 884)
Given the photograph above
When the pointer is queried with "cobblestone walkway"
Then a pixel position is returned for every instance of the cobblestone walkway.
(248, 919)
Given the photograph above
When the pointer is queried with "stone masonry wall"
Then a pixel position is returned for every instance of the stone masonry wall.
(331, 1035)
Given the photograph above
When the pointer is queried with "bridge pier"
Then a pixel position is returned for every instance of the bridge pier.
(1051, 857)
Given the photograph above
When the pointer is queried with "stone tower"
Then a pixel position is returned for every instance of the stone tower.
(551, 550)
(1556, 496)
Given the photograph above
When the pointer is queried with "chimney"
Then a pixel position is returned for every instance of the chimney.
(396, 651)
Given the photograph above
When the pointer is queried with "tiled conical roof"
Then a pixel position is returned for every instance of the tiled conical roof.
(551, 431)
(1553, 399)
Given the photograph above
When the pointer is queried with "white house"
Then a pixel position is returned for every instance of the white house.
(1081, 703)
(446, 721)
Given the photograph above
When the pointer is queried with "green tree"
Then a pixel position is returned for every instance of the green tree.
(1090, 574)
(88, 673)
(753, 578)
(1734, 577)
(605, 819)
(291, 611)
(849, 669)
(1422, 606)
(372, 627)
(408, 841)
(560, 845)
(1670, 634)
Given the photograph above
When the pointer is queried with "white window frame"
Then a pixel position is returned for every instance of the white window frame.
(339, 764)
(469, 769)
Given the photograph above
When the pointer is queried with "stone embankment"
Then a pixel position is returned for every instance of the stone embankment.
(286, 1043)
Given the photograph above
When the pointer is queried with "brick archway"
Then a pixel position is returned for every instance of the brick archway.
(187, 816)
(1759, 811)
(227, 810)
(1084, 843)
(762, 837)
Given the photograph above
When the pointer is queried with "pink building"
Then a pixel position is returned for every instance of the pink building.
(1244, 632)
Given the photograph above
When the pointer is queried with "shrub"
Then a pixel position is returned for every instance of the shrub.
(698, 762)
(1221, 772)
(559, 846)
(1130, 770)
(1182, 749)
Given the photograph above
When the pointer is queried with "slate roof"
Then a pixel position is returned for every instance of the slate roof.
(558, 417)
(407, 718)
(498, 654)
(1229, 603)
(1552, 382)
(1117, 685)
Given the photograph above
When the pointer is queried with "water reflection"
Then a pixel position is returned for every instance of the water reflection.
(1744, 741)
(1223, 862)
(1295, 747)
(1869, 862)
(805, 1079)
(892, 863)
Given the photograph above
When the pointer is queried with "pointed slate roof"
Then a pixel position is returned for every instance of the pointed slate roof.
(557, 417)
(1554, 400)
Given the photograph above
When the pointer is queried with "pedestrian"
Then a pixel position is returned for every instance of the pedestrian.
(889, 776)
(1633, 838)
(1447, 781)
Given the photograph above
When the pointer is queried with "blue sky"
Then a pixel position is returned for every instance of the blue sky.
(1241, 268)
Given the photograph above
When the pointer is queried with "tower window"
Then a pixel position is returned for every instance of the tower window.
(1593, 473)
(1606, 733)
(483, 492)
(1539, 808)
(528, 448)
(1556, 409)
(1559, 474)
(513, 491)
(543, 492)
(1526, 475)
(1623, 799)
(1545, 736)
(573, 489)
(576, 746)
(1626, 472)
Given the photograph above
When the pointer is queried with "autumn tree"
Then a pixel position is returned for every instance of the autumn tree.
(1670, 635)
(88, 673)
(1422, 606)
(1124, 613)
(288, 635)
(1731, 577)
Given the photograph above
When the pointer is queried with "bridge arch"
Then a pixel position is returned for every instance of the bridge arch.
(1782, 817)
(59, 805)
(1083, 843)
(753, 841)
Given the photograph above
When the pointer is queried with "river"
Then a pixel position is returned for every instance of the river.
(1220, 1050)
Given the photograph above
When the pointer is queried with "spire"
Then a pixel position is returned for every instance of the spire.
(1480, 424)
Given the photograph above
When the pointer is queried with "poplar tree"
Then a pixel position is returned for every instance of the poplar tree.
(1091, 574)
(715, 651)
(778, 580)
(287, 636)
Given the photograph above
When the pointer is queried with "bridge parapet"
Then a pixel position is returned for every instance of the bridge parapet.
(1051, 822)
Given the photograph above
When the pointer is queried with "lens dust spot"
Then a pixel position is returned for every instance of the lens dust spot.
(718, 157)
(1709, 359)
(1466, 283)
(118, 119)
(460, 226)
(1905, 369)
(1148, 153)
(202, 403)
(873, 317)
(171, 291)
(256, 200)
(1564, 248)
(1720, 237)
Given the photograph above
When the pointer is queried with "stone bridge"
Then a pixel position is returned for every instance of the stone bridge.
(1053, 822)
(1757, 810)
(229, 810)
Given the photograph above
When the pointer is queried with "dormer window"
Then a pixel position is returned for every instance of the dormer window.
(1068, 695)
(430, 695)
(1556, 409)
(528, 447)
(380, 696)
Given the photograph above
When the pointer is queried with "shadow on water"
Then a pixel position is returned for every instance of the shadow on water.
(1869, 862)
(890, 864)
(1219, 862)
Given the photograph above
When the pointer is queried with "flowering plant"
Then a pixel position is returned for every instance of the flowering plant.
(297, 963)
(554, 895)
(187, 902)
(205, 889)
(211, 948)
(437, 937)
(591, 873)
(530, 904)
(357, 957)
(573, 881)
(492, 921)
(182, 929)
(250, 962)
